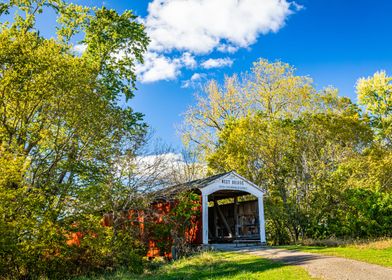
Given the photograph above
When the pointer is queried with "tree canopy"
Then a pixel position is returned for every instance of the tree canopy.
(322, 160)
(63, 132)
(71, 147)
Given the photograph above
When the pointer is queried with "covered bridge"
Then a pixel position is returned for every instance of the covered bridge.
(232, 208)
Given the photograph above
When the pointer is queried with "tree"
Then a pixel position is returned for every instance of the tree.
(62, 131)
(291, 141)
(318, 155)
(294, 160)
(272, 88)
(205, 119)
(375, 94)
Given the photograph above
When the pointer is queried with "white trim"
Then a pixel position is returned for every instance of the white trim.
(205, 218)
(245, 186)
(261, 219)
(246, 180)
(216, 185)
(235, 174)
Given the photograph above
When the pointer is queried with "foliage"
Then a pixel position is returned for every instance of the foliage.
(375, 94)
(324, 163)
(185, 215)
(62, 132)
(172, 230)
(272, 88)
(292, 160)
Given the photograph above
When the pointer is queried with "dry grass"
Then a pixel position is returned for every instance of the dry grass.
(379, 243)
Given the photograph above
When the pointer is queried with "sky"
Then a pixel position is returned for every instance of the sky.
(192, 41)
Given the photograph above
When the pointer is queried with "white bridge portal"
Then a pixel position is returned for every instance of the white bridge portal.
(230, 185)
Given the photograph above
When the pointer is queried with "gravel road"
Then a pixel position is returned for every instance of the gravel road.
(318, 266)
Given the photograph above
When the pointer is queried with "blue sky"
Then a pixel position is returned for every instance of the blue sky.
(333, 41)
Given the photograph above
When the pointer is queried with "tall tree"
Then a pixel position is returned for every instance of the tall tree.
(270, 87)
(288, 138)
(375, 94)
(62, 128)
(293, 159)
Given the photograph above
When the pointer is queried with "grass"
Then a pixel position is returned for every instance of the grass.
(218, 265)
(377, 252)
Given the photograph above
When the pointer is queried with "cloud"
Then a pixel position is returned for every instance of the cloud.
(196, 77)
(168, 168)
(165, 158)
(80, 48)
(182, 30)
(189, 60)
(200, 26)
(217, 63)
(227, 48)
(194, 80)
(157, 67)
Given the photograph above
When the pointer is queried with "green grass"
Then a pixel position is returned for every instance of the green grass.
(379, 252)
(219, 265)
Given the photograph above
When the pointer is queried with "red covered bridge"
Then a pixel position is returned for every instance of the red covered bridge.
(231, 210)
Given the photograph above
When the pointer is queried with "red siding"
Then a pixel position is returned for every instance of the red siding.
(139, 218)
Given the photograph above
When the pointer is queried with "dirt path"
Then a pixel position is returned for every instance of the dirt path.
(319, 266)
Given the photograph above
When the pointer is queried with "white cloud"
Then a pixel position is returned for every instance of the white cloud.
(186, 84)
(189, 60)
(157, 67)
(196, 76)
(166, 158)
(227, 48)
(200, 26)
(217, 63)
(194, 80)
(80, 48)
(197, 27)
(167, 168)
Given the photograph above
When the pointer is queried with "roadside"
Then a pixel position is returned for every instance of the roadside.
(378, 252)
(319, 266)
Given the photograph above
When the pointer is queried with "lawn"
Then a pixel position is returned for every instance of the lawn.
(379, 252)
(218, 265)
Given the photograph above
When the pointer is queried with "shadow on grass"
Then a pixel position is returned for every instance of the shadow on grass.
(219, 267)
(214, 265)
(299, 259)
(296, 257)
(299, 247)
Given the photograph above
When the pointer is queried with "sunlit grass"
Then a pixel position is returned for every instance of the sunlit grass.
(219, 265)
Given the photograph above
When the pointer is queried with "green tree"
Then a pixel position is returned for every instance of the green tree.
(293, 160)
(62, 131)
(375, 94)
(272, 88)
(293, 153)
